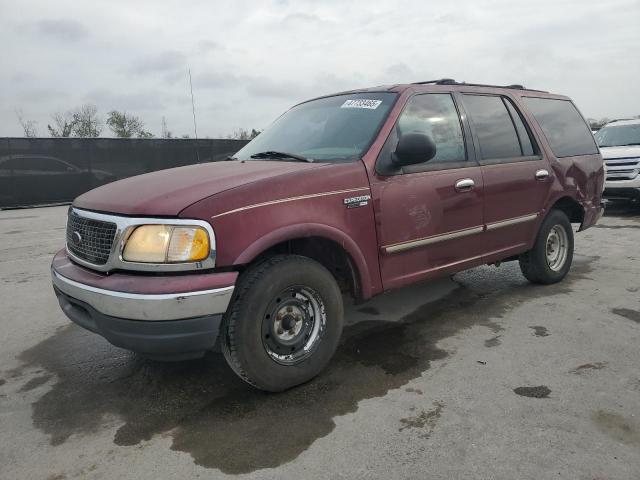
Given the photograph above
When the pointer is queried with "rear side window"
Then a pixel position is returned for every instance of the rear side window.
(565, 129)
(494, 127)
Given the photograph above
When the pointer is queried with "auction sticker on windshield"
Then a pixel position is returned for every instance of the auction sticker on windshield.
(361, 103)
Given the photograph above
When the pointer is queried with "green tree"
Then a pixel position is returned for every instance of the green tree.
(124, 125)
(86, 121)
(63, 124)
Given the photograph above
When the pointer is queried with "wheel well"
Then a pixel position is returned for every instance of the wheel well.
(326, 252)
(572, 209)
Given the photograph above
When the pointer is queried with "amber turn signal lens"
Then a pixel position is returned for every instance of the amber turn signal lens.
(188, 244)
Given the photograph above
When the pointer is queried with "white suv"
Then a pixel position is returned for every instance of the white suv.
(619, 143)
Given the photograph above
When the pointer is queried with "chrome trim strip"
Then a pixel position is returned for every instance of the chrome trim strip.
(124, 228)
(290, 199)
(150, 307)
(399, 247)
(511, 221)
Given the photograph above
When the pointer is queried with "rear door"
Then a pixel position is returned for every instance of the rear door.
(517, 178)
(429, 215)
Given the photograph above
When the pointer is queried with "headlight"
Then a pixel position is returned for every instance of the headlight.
(166, 244)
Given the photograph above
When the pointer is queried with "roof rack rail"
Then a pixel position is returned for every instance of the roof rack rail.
(451, 81)
(441, 81)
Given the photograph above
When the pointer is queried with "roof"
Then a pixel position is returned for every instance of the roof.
(446, 84)
(623, 121)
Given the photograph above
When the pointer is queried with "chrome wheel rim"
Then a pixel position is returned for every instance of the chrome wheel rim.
(557, 247)
(293, 325)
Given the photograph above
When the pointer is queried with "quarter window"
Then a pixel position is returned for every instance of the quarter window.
(563, 126)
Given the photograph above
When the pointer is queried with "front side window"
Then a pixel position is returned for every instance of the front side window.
(494, 127)
(563, 126)
(618, 135)
(336, 128)
(435, 115)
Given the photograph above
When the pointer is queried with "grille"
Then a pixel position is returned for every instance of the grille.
(89, 239)
(622, 169)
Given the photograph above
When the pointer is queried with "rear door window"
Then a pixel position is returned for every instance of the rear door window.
(523, 135)
(494, 128)
(563, 126)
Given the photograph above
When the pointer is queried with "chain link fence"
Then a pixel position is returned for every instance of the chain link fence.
(42, 171)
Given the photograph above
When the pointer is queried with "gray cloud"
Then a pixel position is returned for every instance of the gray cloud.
(252, 60)
(215, 79)
(62, 29)
(128, 101)
(165, 61)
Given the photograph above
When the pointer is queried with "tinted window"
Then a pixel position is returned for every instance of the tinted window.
(523, 135)
(565, 129)
(493, 126)
(435, 115)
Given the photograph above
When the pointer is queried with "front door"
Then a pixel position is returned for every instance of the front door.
(517, 177)
(428, 215)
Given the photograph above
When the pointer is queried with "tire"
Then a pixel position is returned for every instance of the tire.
(284, 324)
(550, 258)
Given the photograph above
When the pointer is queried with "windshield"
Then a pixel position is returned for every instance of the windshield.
(335, 128)
(616, 136)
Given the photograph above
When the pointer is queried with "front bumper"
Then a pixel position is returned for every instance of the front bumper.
(148, 307)
(153, 315)
(616, 191)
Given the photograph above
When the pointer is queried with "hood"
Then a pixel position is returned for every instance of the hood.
(629, 151)
(168, 192)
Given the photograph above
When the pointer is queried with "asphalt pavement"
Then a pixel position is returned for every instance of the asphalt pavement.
(481, 376)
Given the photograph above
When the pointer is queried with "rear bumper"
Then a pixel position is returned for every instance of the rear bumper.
(156, 316)
(592, 214)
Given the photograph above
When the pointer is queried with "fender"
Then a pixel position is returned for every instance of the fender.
(292, 232)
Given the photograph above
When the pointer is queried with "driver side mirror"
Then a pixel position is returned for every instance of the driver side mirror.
(413, 148)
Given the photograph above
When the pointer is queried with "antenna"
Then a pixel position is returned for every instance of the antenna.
(193, 107)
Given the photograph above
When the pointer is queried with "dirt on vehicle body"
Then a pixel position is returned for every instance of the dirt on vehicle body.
(363, 192)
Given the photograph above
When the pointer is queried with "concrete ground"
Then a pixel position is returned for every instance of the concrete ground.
(478, 376)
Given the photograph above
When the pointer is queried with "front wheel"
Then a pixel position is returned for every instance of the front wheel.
(284, 324)
(550, 258)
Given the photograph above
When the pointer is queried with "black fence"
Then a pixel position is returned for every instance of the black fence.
(40, 171)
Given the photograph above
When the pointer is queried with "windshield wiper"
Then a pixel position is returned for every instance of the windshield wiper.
(272, 154)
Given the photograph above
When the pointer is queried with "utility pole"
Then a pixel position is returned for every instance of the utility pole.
(193, 107)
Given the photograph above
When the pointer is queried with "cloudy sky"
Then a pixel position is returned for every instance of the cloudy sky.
(251, 60)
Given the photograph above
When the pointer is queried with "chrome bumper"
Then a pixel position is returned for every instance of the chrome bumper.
(135, 306)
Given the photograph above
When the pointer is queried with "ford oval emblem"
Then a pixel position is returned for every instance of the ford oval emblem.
(77, 238)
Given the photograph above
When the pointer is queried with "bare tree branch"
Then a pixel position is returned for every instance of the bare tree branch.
(29, 127)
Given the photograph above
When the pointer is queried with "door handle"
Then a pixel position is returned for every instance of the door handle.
(542, 174)
(465, 185)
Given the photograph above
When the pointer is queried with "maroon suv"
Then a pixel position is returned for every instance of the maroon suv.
(358, 192)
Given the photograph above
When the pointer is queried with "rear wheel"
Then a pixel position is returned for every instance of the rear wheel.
(284, 324)
(550, 258)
